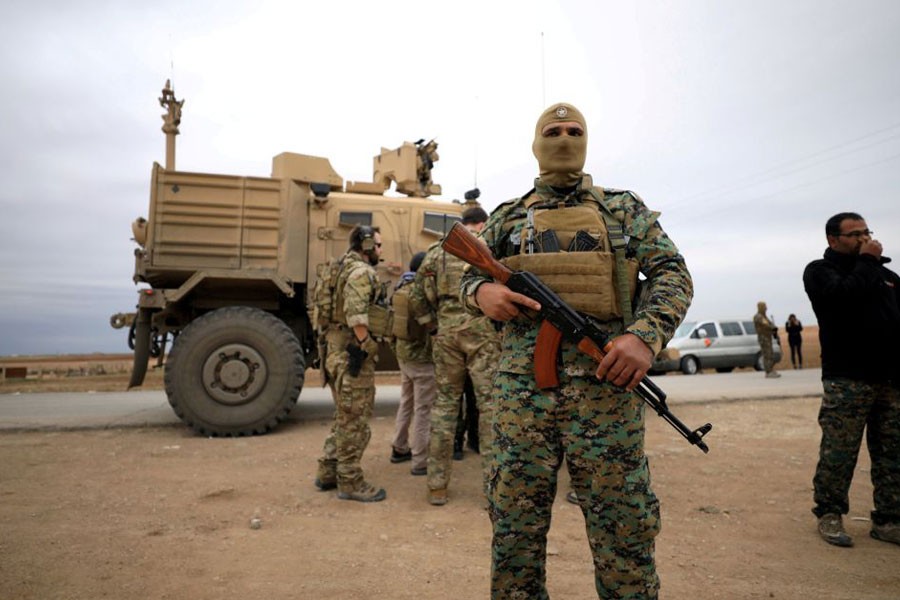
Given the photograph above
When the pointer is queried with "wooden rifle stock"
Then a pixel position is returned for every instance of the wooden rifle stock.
(461, 243)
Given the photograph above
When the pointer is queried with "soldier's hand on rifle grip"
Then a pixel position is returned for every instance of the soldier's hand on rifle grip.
(501, 303)
(626, 362)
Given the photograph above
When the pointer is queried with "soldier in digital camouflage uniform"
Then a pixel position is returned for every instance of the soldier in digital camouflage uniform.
(591, 418)
(857, 303)
(765, 332)
(349, 336)
(462, 344)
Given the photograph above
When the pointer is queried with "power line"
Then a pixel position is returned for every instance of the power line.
(728, 207)
(755, 179)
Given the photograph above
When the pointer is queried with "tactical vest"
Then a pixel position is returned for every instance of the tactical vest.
(403, 325)
(600, 282)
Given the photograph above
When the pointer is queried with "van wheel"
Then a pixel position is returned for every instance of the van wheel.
(234, 371)
(759, 365)
(689, 365)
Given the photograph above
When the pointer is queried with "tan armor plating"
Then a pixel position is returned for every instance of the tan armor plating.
(584, 280)
(447, 279)
(379, 321)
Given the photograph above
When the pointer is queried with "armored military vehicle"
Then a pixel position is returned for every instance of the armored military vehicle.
(229, 263)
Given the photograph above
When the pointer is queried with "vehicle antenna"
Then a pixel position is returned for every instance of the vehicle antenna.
(475, 152)
(543, 74)
(171, 59)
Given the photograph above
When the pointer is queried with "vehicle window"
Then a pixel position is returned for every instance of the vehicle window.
(749, 327)
(710, 328)
(356, 218)
(439, 223)
(731, 328)
(684, 329)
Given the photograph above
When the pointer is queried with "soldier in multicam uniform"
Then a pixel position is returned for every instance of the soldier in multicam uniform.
(350, 367)
(462, 344)
(857, 303)
(592, 419)
(765, 332)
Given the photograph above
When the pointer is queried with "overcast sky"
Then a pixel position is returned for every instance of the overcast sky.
(747, 123)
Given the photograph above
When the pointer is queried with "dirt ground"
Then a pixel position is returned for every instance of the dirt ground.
(163, 513)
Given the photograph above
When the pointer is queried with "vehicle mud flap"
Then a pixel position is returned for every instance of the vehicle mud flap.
(141, 347)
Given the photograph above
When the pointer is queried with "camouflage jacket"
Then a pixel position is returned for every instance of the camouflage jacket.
(764, 327)
(357, 289)
(665, 295)
(434, 299)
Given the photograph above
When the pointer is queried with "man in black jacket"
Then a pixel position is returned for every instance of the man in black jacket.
(857, 303)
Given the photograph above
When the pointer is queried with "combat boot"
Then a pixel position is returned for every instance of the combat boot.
(399, 457)
(364, 492)
(889, 532)
(773, 375)
(324, 485)
(831, 528)
(326, 475)
(437, 497)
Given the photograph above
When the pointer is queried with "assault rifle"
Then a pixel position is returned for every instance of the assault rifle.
(559, 321)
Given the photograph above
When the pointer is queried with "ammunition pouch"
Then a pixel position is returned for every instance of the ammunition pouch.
(586, 281)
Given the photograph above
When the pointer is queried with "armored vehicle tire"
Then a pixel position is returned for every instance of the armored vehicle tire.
(690, 365)
(234, 371)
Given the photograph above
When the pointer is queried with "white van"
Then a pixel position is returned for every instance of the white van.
(721, 344)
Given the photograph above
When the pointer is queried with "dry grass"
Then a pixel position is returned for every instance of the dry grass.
(111, 372)
(104, 373)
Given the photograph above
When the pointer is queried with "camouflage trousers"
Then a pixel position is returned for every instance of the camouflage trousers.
(354, 401)
(455, 354)
(850, 407)
(599, 430)
(768, 354)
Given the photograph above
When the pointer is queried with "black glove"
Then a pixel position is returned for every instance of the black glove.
(357, 355)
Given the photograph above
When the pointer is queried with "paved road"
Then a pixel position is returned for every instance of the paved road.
(150, 408)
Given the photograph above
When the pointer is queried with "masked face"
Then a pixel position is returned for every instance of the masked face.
(560, 145)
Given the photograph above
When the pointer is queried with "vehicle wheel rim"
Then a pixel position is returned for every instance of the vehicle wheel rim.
(234, 374)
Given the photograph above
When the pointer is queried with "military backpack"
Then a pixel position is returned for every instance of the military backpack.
(403, 325)
(323, 292)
